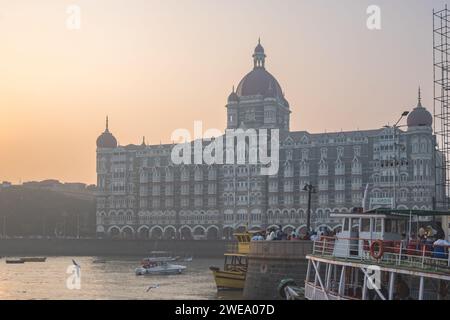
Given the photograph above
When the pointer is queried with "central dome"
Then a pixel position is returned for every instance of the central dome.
(259, 81)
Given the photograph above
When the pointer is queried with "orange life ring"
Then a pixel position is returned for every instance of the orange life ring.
(380, 252)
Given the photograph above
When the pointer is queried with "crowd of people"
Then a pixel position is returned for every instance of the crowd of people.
(432, 241)
(277, 233)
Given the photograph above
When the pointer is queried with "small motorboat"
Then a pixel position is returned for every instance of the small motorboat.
(159, 267)
(34, 259)
(14, 261)
(98, 261)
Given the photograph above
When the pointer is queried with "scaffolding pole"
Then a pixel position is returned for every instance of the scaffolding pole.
(441, 67)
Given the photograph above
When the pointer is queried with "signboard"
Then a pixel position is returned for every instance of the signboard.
(381, 203)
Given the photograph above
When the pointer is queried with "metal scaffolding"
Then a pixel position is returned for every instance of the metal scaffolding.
(441, 50)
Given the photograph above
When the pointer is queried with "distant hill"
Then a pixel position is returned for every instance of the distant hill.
(31, 211)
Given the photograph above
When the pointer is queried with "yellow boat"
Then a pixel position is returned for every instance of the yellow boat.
(232, 277)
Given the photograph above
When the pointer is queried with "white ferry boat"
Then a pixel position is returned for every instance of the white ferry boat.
(377, 256)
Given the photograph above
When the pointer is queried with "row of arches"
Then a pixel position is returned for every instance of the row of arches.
(194, 233)
(163, 233)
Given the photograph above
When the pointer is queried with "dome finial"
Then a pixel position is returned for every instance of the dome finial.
(259, 56)
(106, 139)
(419, 98)
(233, 97)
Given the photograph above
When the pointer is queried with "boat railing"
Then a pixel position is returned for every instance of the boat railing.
(407, 254)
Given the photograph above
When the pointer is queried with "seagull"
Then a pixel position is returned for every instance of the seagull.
(156, 286)
(75, 263)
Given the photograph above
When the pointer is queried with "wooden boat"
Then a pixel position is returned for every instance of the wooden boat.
(14, 261)
(34, 259)
(233, 275)
(98, 261)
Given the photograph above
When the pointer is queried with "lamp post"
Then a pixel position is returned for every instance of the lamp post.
(396, 158)
(310, 189)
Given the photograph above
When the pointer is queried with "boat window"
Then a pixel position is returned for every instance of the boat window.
(355, 224)
(401, 226)
(365, 225)
(378, 223)
(389, 225)
(346, 224)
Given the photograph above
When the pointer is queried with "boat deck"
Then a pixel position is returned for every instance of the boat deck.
(408, 260)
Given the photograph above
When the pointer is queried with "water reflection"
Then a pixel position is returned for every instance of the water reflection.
(107, 278)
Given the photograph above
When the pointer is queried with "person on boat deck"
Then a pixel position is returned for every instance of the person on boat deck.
(315, 236)
(272, 235)
(279, 233)
(257, 237)
(441, 241)
(294, 235)
(441, 247)
(422, 234)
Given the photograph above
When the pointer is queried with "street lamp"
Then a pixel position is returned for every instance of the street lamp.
(310, 189)
(396, 156)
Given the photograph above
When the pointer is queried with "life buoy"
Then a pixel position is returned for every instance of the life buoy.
(377, 255)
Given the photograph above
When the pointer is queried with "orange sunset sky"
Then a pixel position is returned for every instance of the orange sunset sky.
(155, 66)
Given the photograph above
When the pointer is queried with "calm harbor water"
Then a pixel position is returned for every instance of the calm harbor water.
(114, 279)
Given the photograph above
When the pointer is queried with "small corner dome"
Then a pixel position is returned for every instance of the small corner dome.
(420, 117)
(106, 139)
(233, 97)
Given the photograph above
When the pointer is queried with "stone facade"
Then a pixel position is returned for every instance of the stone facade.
(270, 262)
(141, 193)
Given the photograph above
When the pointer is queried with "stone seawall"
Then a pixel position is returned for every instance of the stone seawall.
(272, 261)
(94, 247)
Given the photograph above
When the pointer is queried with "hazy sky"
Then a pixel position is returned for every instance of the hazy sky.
(154, 66)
